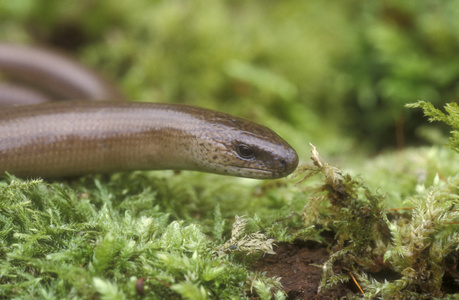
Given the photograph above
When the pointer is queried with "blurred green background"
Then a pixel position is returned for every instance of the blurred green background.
(336, 74)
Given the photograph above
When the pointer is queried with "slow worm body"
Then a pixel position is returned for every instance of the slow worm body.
(74, 138)
(53, 74)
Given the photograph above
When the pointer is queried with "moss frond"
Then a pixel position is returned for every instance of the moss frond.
(451, 118)
(418, 250)
(246, 243)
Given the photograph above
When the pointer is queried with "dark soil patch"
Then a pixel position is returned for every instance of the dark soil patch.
(300, 279)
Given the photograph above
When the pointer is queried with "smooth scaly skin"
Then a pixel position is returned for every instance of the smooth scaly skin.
(54, 74)
(74, 138)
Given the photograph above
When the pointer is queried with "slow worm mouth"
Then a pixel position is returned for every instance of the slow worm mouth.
(261, 173)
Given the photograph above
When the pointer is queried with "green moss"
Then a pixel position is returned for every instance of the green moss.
(420, 242)
(55, 241)
(451, 118)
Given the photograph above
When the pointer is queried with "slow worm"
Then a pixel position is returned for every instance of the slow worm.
(71, 138)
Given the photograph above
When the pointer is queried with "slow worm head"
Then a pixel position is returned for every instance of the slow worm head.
(234, 146)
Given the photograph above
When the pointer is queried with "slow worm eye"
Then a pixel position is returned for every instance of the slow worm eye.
(245, 151)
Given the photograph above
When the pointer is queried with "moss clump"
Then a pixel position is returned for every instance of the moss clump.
(345, 206)
(413, 248)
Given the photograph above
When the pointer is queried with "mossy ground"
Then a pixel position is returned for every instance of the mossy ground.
(313, 71)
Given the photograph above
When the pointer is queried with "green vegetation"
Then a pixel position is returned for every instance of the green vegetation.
(415, 246)
(338, 75)
(58, 242)
(451, 119)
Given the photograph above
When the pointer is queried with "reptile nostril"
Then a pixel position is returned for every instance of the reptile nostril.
(283, 163)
